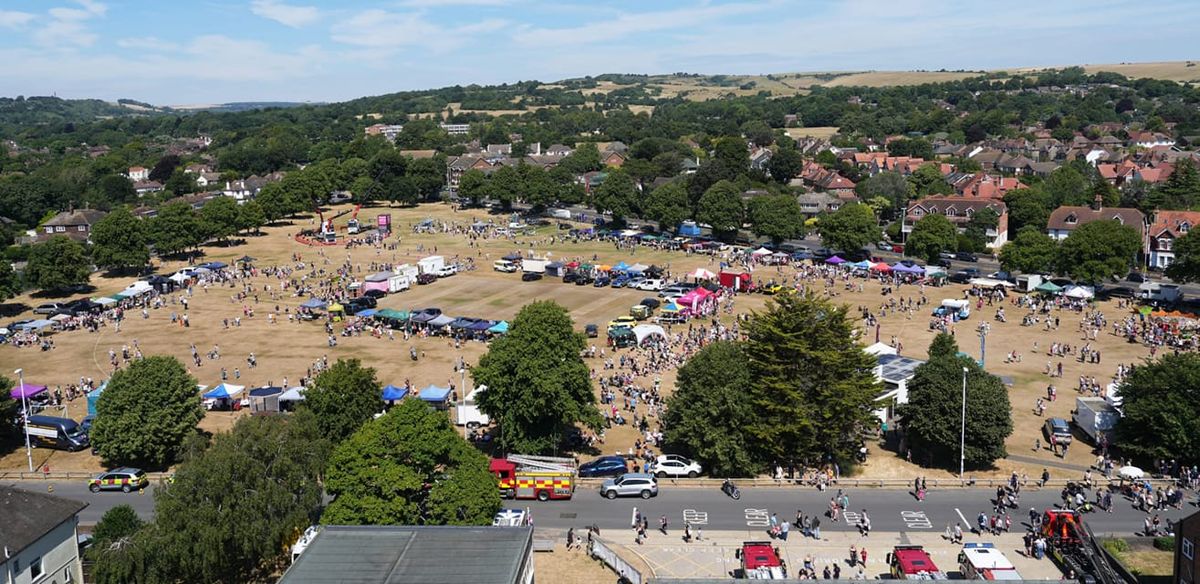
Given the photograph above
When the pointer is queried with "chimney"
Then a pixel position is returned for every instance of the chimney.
(1099, 203)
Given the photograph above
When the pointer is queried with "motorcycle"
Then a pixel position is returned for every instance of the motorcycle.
(731, 489)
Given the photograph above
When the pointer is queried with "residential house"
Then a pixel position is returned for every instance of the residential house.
(138, 173)
(612, 158)
(40, 537)
(959, 210)
(823, 179)
(1064, 220)
(197, 169)
(75, 223)
(499, 149)
(248, 188)
(816, 203)
(1166, 228)
(759, 157)
(982, 184)
(146, 187)
(1187, 539)
(456, 129)
(559, 150)
(1150, 140)
(205, 179)
(614, 146)
(389, 131)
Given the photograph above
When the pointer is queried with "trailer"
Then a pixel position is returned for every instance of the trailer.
(1073, 546)
(982, 561)
(1155, 292)
(1029, 282)
(468, 413)
(431, 264)
(1095, 417)
(531, 266)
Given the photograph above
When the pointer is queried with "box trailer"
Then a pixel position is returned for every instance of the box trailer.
(431, 264)
(534, 266)
(1095, 416)
(1028, 282)
(468, 413)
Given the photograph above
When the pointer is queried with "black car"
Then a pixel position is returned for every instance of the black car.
(651, 303)
(427, 278)
(365, 301)
(592, 331)
(1114, 292)
(531, 276)
(964, 276)
(602, 281)
(375, 294)
(966, 256)
(583, 280)
(82, 306)
(605, 466)
(570, 277)
(1137, 277)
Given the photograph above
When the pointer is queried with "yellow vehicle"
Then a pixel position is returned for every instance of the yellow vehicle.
(124, 479)
(772, 289)
(640, 311)
(622, 321)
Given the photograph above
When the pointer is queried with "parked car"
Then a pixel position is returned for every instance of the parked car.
(883, 246)
(426, 278)
(51, 308)
(651, 285)
(1059, 428)
(123, 479)
(673, 290)
(376, 294)
(82, 306)
(620, 281)
(965, 275)
(630, 485)
(635, 282)
(602, 282)
(570, 277)
(946, 255)
(966, 256)
(592, 331)
(531, 276)
(605, 466)
(622, 321)
(583, 280)
(1135, 277)
(447, 270)
(675, 467)
(651, 302)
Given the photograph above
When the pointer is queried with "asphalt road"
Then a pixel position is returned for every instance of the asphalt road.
(890, 510)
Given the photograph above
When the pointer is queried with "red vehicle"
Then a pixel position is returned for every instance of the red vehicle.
(737, 280)
(760, 562)
(912, 562)
(534, 477)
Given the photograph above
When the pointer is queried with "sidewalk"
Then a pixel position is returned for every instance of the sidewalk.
(668, 556)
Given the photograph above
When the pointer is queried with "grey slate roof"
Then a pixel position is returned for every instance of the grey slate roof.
(26, 516)
(426, 554)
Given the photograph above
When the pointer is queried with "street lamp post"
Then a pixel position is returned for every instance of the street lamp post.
(25, 415)
(962, 437)
(984, 329)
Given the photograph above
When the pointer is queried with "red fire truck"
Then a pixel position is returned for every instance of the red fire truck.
(912, 562)
(534, 477)
(760, 562)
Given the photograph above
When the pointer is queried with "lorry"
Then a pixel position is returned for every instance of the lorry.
(982, 561)
(1155, 292)
(57, 433)
(760, 561)
(1095, 417)
(468, 413)
(534, 477)
(912, 562)
(431, 264)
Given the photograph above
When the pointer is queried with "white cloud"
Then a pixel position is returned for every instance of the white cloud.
(381, 29)
(14, 19)
(442, 3)
(147, 43)
(66, 26)
(286, 14)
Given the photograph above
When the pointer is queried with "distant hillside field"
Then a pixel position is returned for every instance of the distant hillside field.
(1177, 71)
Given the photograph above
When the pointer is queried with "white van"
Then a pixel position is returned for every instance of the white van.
(560, 213)
(504, 266)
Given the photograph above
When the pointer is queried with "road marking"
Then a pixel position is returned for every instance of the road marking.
(916, 520)
(852, 517)
(758, 518)
(964, 519)
(695, 517)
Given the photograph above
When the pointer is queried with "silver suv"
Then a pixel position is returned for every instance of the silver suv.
(630, 484)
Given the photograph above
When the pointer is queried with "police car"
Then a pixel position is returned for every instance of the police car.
(124, 479)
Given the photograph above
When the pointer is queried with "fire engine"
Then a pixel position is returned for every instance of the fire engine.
(912, 562)
(1075, 548)
(534, 477)
(982, 561)
(760, 562)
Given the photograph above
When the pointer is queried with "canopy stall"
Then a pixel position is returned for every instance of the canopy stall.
(289, 398)
(35, 325)
(1049, 288)
(863, 265)
(440, 320)
(701, 274)
(499, 328)
(1079, 293)
(438, 397)
(645, 331)
(265, 400)
(835, 260)
(762, 251)
(392, 393)
(881, 267)
(26, 391)
(481, 326)
(93, 397)
(224, 391)
(620, 267)
(391, 314)
(902, 268)
(314, 304)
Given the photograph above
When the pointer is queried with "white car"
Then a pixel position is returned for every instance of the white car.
(672, 465)
(651, 285)
(447, 271)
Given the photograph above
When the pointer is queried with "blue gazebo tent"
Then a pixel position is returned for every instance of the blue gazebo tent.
(499, 328)
(93, 397)
(314, 303)
(393, 393)
(224, 391)
(438, 397)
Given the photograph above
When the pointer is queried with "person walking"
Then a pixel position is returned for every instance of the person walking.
(783, 531)
(816, 528)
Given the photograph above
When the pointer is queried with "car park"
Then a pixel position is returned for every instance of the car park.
(124, 479)
(630, 485)
(531, 276)
(605, 466)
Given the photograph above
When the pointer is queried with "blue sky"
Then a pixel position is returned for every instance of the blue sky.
(173, 52)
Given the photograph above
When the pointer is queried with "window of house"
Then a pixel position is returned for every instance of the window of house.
(1183, 227)
(1072, 219)
(60, 229)
(35, 569)
(1188, 548)
(49, 230)
(82, 227)
(1164, 243)
(951, 212)
(1117, 218)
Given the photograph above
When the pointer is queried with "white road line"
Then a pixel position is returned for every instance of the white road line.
(960, 516)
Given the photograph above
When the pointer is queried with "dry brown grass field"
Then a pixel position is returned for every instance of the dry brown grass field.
(288, 349)
(1178, 71)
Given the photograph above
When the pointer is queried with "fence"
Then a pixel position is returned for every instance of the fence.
(605, 554)
(866, 483)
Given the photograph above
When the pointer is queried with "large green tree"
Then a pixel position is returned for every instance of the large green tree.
(10, 281)
(409, 467)
(668, 205)
(706, 415)
(721, 208)
(343, 397)
(10, 428)
(977, 227)
(232, 511)
(1067, 186)
(785, 165)
(778, 217)
(219, 218)
(1161, 400)
(1027, 207)
(616, 195)
(1030, 252)
(933, 415)
(538, 387)
(931, 235)
(119, 241)
(814, 387)
(928, 180)
(57, 264)
(473, 185)
(175, 229)
(890, 185)
(146, 413)
(1099, 251)
(1186, 266)
(850, 228)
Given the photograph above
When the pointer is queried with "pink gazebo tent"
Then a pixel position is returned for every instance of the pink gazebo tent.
(881, 267)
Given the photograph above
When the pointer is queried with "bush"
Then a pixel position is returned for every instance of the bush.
(1115, 546)
(1165, 543)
